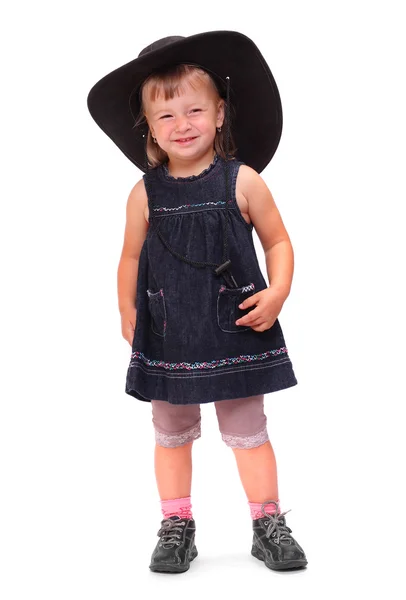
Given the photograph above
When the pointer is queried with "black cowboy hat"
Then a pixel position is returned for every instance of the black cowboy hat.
(114, 101)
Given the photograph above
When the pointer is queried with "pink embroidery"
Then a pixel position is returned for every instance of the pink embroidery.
(244, 358)
(270, 509)
(180, 507)
(183, 513)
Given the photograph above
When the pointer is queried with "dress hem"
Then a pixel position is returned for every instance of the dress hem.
(197, 390)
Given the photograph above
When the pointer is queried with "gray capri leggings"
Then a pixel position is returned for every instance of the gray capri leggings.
(242, 422)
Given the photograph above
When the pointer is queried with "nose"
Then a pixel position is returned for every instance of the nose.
(182, 124)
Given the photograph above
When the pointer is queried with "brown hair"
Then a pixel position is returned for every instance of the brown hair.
(169, 83)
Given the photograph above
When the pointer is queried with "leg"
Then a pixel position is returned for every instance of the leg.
(258, 474)
(242, 423)
(176, 427)
(173, 471)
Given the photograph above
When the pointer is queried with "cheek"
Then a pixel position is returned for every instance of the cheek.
(163, 129)
(207, 126)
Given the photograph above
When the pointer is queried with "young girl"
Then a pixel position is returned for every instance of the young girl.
(195, 307)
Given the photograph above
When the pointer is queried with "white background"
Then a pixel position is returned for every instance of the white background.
(79, 506)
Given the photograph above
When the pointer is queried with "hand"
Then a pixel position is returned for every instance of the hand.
(128, 322)
(268, 303)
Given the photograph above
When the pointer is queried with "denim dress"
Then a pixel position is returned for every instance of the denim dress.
(187, 348)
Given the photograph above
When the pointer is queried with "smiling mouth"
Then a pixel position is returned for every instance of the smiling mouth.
(188, 139)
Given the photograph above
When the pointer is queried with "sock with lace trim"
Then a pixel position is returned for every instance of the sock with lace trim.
(255, 507)
(180, 507)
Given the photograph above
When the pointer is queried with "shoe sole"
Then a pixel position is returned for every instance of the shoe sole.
(289, 564)
(165, 568)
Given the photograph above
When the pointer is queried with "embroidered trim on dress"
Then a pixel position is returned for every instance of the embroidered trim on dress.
(152, 294)
(161, 208)
(178, 439)
(249, 441)
(213, 364)
(246, 288)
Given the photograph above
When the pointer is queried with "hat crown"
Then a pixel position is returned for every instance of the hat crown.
(166, 41)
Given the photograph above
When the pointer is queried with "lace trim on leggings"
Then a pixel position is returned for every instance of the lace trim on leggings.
(248, 441)
(174, 440)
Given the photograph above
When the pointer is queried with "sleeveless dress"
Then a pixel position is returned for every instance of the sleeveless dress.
(187, 348)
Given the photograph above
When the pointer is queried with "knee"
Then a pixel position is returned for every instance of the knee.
(174, 425)
(242, 422)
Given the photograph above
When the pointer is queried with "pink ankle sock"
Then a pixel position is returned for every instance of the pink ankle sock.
(180, 507)
(256, 512)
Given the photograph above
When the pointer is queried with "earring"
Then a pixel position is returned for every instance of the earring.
(219, 129)
(154, 139)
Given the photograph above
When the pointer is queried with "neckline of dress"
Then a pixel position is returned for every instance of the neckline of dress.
(170, 177)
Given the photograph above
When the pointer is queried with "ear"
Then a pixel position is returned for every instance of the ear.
(220, 113)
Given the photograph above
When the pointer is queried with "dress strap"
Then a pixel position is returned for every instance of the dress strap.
(149, 181)
(234, 168)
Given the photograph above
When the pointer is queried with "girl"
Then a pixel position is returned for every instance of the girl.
(195, 307)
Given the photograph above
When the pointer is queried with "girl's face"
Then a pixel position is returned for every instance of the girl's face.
(185, 126)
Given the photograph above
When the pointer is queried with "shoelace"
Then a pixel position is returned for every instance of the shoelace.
(277, 528)
(171, 532)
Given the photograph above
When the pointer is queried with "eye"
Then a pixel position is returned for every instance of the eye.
(165, 116)
(194, 110)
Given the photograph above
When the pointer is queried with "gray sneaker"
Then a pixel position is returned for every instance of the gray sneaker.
(176, 547)
(273, 543)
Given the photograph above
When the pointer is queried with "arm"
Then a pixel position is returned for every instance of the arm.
(134, 236)
(269, 226)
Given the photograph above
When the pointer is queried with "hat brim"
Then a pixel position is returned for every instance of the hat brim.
(257, 124)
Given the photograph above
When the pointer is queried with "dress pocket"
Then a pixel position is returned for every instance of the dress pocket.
(157, 309)
(228, 312)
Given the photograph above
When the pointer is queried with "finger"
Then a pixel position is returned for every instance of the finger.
(130, 335)
(249, 301)
(257, 322)
(250, 318)
(264, 325)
